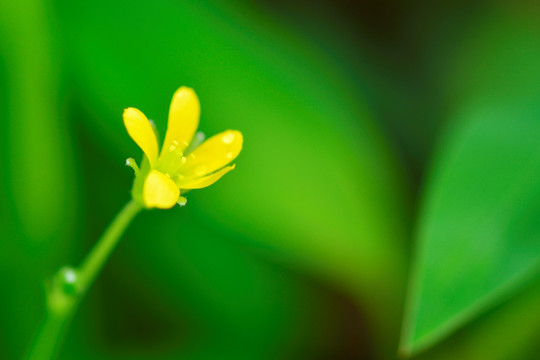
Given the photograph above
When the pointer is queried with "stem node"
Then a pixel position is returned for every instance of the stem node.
(68, 286)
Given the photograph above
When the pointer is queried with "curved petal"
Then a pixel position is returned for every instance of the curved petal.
(204, 181)
(160, 191)
(140, 130)
(213, 154)
(184, 116)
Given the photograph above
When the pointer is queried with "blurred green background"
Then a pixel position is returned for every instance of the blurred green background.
(387, 200)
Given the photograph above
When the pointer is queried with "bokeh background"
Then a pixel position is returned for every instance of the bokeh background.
(387, 199)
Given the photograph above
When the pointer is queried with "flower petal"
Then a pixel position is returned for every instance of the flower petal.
(213, 154)
(184, 116)
(140, 130)
(160, 191)
(204, 181)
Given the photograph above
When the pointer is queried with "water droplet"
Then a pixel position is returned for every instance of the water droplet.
(230, 155)
(66, 280)
(228, 138)
(182, 201)
(70, 276)
(201, 170)
(183, 160)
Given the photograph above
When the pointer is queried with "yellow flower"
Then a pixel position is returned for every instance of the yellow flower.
(179, 166)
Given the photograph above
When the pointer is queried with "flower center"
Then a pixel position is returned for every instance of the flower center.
(171, 159)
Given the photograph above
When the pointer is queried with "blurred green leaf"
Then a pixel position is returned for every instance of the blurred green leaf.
(38, 186)
(497, 61)
(41, 176)
(479, 229)
(488, 336)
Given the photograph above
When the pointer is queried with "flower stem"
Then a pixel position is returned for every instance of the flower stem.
(95, 259)
(69, 286)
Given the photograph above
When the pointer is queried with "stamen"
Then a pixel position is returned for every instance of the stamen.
(133, 164)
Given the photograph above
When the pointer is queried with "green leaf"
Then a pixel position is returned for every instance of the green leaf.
(478, 237)
(480, 227)
(37, 182)
(36, 145)
(488, 337)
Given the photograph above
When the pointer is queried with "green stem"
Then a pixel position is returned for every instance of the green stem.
(70, 285)
(94, 261)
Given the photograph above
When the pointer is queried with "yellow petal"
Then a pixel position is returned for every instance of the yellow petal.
(213, 154)
(140, 130)
(204, 181)
(160, 191)
(184, 116)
